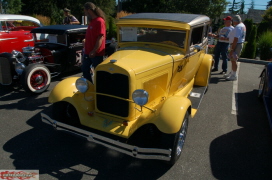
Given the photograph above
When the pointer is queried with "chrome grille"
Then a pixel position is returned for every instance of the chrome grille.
(115, 85)
(5, 71)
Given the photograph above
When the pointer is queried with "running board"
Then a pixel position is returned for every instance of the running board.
(196, 95)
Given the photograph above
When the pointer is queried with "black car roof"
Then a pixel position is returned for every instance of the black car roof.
(60, 29)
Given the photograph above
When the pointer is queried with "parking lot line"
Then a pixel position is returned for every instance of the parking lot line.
(234, 109)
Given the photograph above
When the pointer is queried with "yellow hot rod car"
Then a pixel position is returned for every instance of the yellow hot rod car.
(144, 93)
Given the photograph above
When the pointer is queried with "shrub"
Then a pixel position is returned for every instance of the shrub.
(263, 27)
(250, 48)
(122, 14)
(43, 19)
(111, 28)
(265, 45)
(249, 25)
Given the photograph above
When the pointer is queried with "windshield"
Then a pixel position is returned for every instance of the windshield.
(153, 35)
(50, 38)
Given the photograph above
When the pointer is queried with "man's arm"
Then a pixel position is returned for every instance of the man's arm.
(98, 43)
(233, 45)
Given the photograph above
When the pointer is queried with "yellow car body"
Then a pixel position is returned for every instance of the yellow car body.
(163, 54)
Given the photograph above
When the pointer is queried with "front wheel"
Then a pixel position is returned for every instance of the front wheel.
(66, 113)
(36, 78)
(261, 86)
(176, 141)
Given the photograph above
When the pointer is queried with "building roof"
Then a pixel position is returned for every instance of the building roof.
(254, 14)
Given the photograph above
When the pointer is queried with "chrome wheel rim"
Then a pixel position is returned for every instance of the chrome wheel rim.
(182, 136)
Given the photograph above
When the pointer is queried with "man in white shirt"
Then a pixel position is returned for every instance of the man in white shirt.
(236, 40)
(222, 45)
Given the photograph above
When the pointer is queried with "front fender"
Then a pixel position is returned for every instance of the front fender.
(268, 90)
(203, 73)
(172, 114)
(67, 91)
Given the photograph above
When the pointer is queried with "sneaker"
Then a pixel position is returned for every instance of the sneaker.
(227, 75)
(223, 72)
(214, 70)
(231, 78)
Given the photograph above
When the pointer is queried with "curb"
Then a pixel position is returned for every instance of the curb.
(254, 61)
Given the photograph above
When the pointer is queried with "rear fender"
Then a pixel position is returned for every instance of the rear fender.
(203, 73)
(172, 114)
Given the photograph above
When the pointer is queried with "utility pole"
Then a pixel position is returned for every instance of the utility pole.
(232, 7)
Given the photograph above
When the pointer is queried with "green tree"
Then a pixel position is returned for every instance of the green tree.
(249, 24)
(250, 49)
(266, 23)
(54, 9)
(269, 4)
(12, 6)
(234, 7)
(211, 8)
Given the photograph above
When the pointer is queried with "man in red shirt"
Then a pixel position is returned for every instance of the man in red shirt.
(94, 39)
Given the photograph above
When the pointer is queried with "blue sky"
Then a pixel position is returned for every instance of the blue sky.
(259, 4)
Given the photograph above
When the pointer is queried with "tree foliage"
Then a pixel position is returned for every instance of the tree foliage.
(264, 45)
(249, 24)
(266, 24)
(12, 6)
(211, 8)
(54, 9)
(250, 49)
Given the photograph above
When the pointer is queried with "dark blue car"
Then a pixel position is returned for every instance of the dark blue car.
(265, 90)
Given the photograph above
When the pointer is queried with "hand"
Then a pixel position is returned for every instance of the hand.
(92, 54)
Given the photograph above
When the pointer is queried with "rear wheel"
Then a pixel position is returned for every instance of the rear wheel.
(176, 141)
(36, 78)
(65, 112)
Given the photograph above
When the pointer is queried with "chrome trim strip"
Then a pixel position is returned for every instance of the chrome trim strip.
(7, 39)
(134, 151)
(29, 40)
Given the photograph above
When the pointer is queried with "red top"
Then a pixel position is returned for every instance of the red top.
(96, 27)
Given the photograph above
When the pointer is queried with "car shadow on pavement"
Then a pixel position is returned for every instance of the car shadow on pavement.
(64, 156)
(244, 153)
(22, 102)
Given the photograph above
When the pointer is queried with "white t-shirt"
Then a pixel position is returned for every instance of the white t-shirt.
(224, 32)
(239, 32)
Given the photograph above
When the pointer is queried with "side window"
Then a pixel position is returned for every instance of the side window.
(197, 34)
(1, 25)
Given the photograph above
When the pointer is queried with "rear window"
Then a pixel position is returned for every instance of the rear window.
(50, 38)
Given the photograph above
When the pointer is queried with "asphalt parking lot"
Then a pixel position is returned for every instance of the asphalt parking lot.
(229, 138)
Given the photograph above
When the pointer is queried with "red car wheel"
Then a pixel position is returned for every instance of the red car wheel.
(36, 78)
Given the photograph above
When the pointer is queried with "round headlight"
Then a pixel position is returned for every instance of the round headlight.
(19, 68)
(82, 85)
(140, 97)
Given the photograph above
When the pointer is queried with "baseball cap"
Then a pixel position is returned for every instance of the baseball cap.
(227, 18)
(66, 10)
